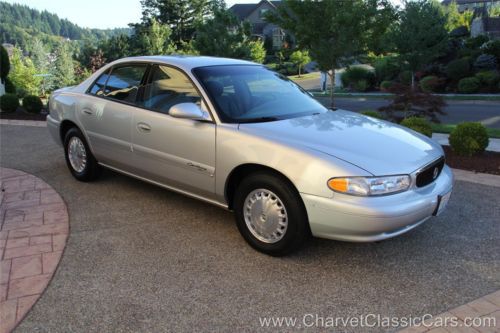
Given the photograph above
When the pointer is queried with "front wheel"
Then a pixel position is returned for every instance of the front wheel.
(79, 158)
(270, 214)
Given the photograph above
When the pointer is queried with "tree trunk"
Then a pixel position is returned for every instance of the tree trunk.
(412, 81)
(332, 88)
(299, 70)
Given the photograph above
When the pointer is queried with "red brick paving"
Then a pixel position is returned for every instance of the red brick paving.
(33, 231)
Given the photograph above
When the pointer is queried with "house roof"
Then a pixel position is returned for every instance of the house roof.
(465, 2)
(243, 10)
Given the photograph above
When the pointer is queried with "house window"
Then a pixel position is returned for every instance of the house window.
(262, 13)
(278, 37)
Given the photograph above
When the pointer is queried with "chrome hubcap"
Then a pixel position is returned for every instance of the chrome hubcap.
(77, 154)
(265, 216)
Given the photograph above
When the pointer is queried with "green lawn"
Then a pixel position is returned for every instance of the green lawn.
(305, 76)
(447, 128)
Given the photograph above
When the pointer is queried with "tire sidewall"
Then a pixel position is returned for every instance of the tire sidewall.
(86, 172)
(296, 215)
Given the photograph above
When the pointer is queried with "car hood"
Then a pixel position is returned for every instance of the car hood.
(377, 146)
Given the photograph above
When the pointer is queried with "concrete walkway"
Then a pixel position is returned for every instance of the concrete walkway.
(442, 138)
(33, 231)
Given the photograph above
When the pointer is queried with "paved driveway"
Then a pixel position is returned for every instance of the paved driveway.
(140, 258)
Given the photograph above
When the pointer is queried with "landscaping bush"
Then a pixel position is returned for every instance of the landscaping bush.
(357, 77)
(373, 114)
(10, 88)
(488, 80)
(469, 85)
(385, 85)
(485, 62)
(430, 83)
(32, 104)
(493, 48)
(405, 77)
(418, 124)
(458, 69)
(9, 103)
(476, 42)
(469, 139)
(386, 68)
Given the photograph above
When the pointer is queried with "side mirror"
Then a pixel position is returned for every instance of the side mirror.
(187, 111)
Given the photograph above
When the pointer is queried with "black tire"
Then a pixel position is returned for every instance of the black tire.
(297, 230)
(92, 169)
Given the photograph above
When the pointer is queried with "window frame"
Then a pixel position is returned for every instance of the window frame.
(146, 80)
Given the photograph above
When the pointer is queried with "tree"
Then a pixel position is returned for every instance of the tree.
(257, 51)
(97, 60)
(39, 56)
(4, 64)
(334, 32)
(153, 39)
(116, 47)
(421, 35)
(455, 19)
(23, 74)
(224, 36)
(64, 70)
(300, 58)
(181, 16)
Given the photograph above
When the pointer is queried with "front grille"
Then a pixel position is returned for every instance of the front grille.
(427, 175)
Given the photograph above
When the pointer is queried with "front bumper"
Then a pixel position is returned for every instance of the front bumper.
(368, 219)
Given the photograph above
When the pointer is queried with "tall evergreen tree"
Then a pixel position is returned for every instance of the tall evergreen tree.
(63, 69)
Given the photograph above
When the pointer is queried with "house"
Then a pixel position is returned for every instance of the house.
(255, 13)
(473, 5)
(486, 26)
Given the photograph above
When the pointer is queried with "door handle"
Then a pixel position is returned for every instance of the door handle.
(144, 127)
(87, 111)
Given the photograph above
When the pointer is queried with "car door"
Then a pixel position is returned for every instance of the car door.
(107, 113)
(179, 153)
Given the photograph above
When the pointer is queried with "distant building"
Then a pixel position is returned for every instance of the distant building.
(486, 26)
(255, 14)
(473, 5)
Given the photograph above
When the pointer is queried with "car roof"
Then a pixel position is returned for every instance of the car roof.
(186, 62)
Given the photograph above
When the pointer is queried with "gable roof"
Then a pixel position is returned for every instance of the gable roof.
(243, 10)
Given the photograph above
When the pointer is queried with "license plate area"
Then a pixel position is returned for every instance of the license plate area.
(442, 203)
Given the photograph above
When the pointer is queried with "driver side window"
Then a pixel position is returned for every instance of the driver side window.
(167, 87)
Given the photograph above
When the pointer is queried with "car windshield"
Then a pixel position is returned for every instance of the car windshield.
(247, 93)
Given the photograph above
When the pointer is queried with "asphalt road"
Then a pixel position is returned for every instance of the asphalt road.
(486, 112)
(143, 259)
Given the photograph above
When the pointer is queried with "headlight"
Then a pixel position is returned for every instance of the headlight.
(369, 186)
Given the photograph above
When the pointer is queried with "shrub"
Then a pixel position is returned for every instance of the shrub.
(405, 77)
(10, 88)
(430, 83)
(9, 103)
(476, 42)
(385, 85)
(493, 48)
(373, 114)
(32, 104)
(488, 79)
(469, 139)
(469, 85)
(485, 62)
(418, 124)
(357, 77)
(458, 69)
(386, 68)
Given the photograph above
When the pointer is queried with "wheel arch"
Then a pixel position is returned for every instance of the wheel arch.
(244, 170)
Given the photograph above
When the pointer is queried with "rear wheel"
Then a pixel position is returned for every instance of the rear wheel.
(270, 214)
(81, 163)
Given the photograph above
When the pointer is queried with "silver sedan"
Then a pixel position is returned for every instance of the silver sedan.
(247, 139)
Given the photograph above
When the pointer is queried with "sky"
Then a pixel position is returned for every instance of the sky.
(100, 13)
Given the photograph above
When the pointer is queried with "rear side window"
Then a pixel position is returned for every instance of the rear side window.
(98, 86)
(124, 82)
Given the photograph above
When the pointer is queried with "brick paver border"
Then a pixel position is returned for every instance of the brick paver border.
(33, 231)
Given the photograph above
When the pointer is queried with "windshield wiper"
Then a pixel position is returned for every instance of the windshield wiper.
(257, 120)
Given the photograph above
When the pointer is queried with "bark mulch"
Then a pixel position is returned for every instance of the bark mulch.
(487, 162)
